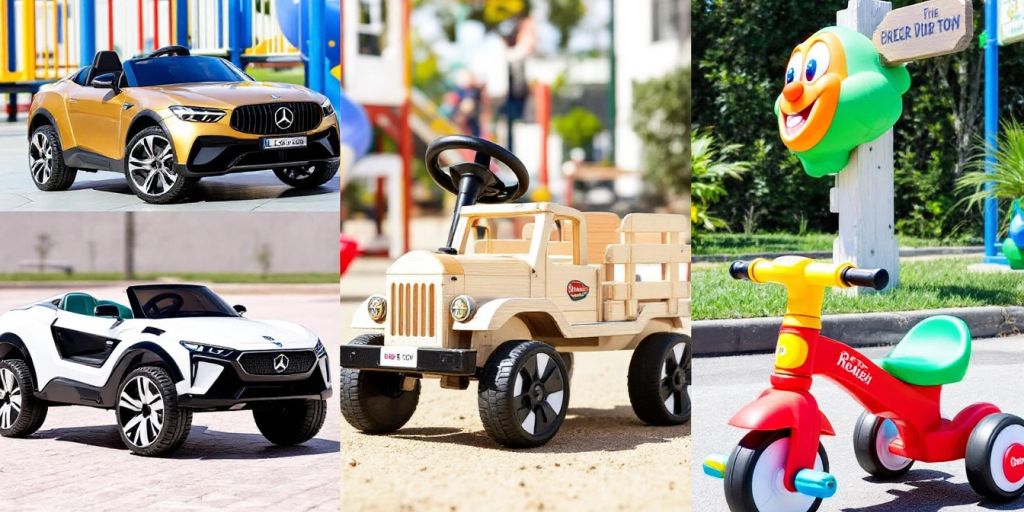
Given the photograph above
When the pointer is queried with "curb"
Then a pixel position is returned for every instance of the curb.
(904, 253)
(758, 335)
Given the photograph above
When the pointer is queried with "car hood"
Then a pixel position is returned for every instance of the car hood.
(231, 94)
(235, 333)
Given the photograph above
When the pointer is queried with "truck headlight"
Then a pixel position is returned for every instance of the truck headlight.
(327, 108)
(462, 308)
(377, 308)
(210, 350)
(197, 114)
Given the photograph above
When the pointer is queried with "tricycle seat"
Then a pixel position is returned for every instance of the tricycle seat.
(935, 352)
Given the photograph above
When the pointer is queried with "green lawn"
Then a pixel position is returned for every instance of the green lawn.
(306, 278)
(294, 75)
(924, 284)
(738, 243)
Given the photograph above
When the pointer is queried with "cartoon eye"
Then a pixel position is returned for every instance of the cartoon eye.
(795, 63)
(817, 61)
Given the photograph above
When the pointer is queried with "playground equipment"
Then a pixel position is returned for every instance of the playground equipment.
(780, 466)
(1013, 245)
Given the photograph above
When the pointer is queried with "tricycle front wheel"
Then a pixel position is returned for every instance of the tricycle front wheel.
(755, 471)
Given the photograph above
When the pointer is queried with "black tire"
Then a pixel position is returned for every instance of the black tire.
(144, 429)
(739, 474)
(523, 394)
(871, 435)
(50, 173)
(21, 413)
(659, 377)
(159, 191)
(310, 176)
(374, 402)
(290, 422)
(995, 436)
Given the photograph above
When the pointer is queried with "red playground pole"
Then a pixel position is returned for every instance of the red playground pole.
(156, 24)
(142, 48)
(110, 25)
(544, 119)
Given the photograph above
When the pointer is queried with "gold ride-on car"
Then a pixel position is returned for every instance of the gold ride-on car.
(169, 119)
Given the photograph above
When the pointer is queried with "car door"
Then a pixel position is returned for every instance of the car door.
(95, 115)
(83, 339)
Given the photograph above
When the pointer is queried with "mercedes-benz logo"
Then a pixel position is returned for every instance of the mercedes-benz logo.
(280, 363)
(284, 117)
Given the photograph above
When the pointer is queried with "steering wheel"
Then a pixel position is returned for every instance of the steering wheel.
(491, 188)
(170, 50)
(153, 308)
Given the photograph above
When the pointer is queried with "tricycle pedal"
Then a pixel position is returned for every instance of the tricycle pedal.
(714, 465)
(818, 484)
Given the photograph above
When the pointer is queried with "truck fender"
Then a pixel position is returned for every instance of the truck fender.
(538, 314)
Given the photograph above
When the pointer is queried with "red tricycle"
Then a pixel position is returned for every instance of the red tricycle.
(780, 466)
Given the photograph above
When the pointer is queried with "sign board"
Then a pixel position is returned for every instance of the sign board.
(923, 30)
(1011, 21)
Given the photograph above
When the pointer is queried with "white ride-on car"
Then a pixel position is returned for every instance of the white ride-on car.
(177, 349)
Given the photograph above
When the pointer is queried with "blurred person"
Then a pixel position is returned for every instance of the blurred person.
(466, 104)
(520, 35)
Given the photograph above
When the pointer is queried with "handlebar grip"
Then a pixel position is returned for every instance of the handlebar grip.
(877, 278)
(740, 270)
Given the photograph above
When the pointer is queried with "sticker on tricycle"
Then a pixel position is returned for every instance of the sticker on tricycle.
(398, 357)
(284, 142)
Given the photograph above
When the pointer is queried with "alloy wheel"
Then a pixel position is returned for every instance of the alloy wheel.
(10, 399)
(40, 157)
(151, 165)
(142, 406)
(539, 394)
(299, 173)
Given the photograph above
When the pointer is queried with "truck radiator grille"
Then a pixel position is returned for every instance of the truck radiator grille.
(414, 310)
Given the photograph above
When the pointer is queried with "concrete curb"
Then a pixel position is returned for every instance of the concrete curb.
(758, 335)
(904, 253)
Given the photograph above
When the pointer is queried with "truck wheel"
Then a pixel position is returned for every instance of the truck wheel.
(871, 439)
(524, 393)
(21, 413)
(148, 416)
(995, 457)
(376, 402)
(659, 375)
(753, 476)
(290, 422)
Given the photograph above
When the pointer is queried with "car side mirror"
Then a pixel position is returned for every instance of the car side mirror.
(106, 310)
(108, 81)
(240, 309)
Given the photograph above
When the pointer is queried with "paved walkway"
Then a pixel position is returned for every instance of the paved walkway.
(107, 191)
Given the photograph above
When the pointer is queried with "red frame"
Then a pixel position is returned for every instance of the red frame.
(788, 405)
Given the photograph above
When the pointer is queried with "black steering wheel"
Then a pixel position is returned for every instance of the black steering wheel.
(490, 188)
(153, 308)
(170, 50)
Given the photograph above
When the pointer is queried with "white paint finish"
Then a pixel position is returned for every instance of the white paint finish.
(864, 195)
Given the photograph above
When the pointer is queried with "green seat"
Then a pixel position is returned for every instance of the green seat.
(78, 302)
(124, 312)
(935, 352)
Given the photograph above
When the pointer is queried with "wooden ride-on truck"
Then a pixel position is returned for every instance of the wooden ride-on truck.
(511, 312)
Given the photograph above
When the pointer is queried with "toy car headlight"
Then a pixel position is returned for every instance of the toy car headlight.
(462, 308)
(198, 114)
(327, 108)
(210, 350)
(377, 308)
(319, 349)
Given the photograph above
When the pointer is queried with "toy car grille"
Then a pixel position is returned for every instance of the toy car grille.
(414, 307)
(271, 363)
(267, 118)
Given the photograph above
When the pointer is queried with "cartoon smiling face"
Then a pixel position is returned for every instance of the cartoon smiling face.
(810, 97)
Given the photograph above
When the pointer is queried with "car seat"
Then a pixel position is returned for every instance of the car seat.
(79, 303)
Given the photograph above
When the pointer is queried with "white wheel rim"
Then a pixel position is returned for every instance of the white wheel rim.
(767, 487)
(40, 158)
(151, 165)
(1007, 437)
(539, 394)
(888, 432)
(141, 408)
(673, 380)
(10, 399)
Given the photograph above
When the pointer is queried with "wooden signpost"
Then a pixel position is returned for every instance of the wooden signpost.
(864, 195)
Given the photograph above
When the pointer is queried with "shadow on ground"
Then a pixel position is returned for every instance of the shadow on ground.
(931, 491)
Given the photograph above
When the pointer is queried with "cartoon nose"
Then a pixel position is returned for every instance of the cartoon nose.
(793, 90)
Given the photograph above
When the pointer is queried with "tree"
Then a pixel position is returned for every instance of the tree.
(711, 169)
(577, 127)
(661, 119)
(44, 244)
(565, 15)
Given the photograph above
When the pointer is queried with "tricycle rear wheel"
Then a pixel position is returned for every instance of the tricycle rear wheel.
(376, 402)
(871, 439)
(995, 457)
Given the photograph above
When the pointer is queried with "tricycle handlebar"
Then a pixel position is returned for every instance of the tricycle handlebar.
(877, 278)
(803, 270)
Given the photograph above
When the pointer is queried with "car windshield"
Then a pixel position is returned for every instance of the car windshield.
(177, 301)
(180, 70)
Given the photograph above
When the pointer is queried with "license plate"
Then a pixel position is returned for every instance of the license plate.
(284, 142)
(398, 357)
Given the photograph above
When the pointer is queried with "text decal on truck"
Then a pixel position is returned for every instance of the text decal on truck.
(577, 290)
